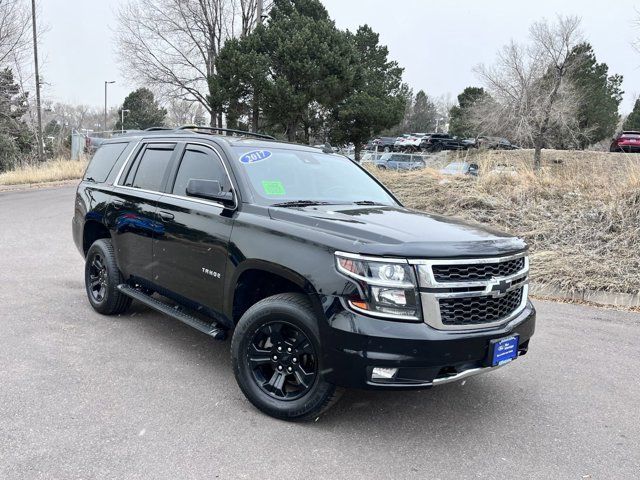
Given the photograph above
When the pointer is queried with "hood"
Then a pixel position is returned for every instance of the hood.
(398, 231)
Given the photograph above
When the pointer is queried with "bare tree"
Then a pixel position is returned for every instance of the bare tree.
(172, 45)
(529, 86)
(14, 31)
(184, 112)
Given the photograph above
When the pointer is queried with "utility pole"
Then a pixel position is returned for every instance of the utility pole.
(255, 114)
(37, 72)
(122, 112)
(259, 9)
(104, 125)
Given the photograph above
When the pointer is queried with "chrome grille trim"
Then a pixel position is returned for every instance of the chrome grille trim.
(432, 290)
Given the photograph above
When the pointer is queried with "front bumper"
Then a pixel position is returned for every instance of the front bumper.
(355, 344)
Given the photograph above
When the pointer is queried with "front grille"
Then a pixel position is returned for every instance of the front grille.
(477, 271)
(479, 310)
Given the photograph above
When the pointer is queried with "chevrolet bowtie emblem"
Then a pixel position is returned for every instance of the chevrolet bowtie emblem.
(498, 288)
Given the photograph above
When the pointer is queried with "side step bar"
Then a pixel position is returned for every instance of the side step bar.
(211, 329)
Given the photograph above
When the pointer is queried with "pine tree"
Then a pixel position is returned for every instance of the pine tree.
(377, 100)
(15, 136)
(600, 96)
(460, 116)
(633, 120)
(423, 118)
(143, 111)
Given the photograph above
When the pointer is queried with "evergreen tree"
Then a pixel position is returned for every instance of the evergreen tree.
(144, 111)
(15, 137)
(424, 114)
(460, 123)
(600, 96)
(633, 120)
(297, 59)
(377, 100)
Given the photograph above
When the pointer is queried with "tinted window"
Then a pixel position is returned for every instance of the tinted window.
(103, 161)
(202, 164)
(148, 172)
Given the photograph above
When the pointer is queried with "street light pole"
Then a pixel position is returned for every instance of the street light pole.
(104, 127)
(37, 73)
(122, 119)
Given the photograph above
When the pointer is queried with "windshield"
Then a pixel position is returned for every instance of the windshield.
(455, 167)
(277, 176)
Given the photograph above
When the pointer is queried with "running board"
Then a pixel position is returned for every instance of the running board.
(211, 329)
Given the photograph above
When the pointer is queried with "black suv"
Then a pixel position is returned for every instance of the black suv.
(317, 272)
(437, 142)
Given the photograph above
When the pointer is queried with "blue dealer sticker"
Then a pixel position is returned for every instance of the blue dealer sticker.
(255, 156)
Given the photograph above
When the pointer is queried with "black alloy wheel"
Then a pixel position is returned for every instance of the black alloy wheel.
(98, 277)
(277, 360)
(283, 361)
(102, 277)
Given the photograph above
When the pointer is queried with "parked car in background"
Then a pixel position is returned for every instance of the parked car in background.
(384, 144)
(503, 169)
(436, 142)
(628, 141)
(461, 168)
(495, 143)
(400, 142)
(409, 142)
(400, 161)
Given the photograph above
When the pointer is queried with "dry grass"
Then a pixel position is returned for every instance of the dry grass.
(581, 217)
(51, 171)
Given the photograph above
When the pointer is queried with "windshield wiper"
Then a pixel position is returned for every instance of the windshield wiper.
(368, 202)
(300, 203)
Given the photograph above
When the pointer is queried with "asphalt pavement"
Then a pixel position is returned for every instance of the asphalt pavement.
(142, 396)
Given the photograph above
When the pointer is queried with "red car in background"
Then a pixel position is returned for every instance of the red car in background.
(626, 142)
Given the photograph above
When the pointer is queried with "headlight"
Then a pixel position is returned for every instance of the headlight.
(387, 288)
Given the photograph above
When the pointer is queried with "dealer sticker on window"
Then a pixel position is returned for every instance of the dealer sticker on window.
(273, 187)
(255, 156)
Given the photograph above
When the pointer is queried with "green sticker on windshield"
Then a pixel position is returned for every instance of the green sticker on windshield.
(273, 187)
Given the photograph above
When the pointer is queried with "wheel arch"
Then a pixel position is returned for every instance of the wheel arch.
(254, 280)
(92, 231)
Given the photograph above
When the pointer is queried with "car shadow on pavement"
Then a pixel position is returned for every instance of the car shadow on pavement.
(467, 404)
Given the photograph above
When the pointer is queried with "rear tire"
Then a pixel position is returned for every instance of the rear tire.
(102, 277)
(276, 357)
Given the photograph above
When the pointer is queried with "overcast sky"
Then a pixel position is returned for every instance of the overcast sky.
(437, 43)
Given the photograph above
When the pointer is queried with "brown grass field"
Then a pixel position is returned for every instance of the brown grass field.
(51, 171)
(580, 214)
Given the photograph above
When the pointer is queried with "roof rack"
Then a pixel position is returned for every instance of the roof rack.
(226, 130)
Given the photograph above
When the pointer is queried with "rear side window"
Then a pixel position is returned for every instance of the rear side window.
(148, 171)
(201, 164)
(103, 161)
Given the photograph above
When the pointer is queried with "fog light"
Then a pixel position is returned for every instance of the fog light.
(380, 373)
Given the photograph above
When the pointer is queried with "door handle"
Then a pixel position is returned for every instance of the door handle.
(166, 215)
(119, 203)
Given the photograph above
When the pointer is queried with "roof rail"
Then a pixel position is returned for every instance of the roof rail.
(155, 129)
(226, 130)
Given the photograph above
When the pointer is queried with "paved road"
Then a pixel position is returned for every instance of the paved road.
(143, 396)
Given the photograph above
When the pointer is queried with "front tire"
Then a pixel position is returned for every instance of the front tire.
(275, 352)
(102, 277)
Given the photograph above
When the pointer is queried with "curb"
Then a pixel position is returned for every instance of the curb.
(614, 299)
(30, 186)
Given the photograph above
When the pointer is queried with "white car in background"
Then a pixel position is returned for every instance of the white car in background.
(409, 142)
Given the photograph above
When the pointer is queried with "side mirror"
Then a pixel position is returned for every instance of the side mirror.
(209, 189)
